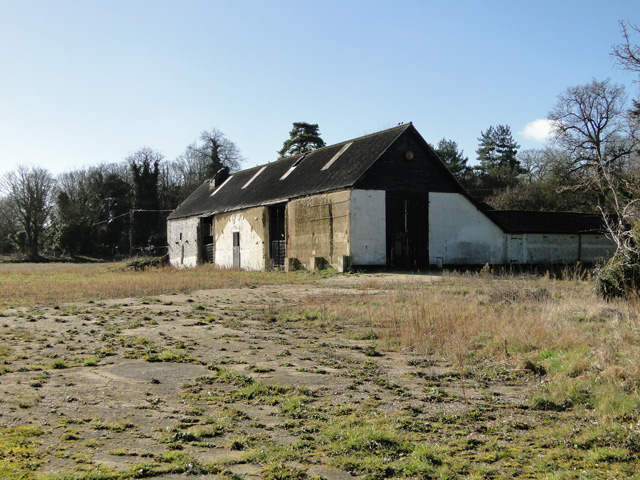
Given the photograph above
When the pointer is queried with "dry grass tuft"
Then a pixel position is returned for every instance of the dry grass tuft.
(560, 326)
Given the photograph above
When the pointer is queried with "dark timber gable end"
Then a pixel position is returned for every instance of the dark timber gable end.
(409, 168)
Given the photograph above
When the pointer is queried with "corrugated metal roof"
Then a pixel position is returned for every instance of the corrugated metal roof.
(280, 180)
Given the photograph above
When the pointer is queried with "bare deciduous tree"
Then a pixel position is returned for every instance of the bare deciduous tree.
(626, 54)
(213, 152)
(592, 124)
(28, 194)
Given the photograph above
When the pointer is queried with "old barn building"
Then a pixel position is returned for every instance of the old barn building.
(383, 199)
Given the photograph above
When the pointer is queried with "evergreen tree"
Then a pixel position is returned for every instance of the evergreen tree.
(455, 160)
(77, 212)
(145, 171)
(303, 137)
(498, 163)
(115, 203)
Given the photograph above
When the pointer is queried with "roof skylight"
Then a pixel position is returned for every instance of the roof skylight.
(254, 177)
(292, 167)
(337, 155)
(220, 187)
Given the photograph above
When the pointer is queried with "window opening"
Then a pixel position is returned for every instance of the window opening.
(297, 162)
(277, 244)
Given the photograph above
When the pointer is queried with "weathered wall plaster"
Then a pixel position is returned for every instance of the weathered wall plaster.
(182, 236)
(250, 224)
(535, 248)
(318, 226)
(460, 234)
(368, 243)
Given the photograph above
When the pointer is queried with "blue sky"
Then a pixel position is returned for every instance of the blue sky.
(86, 82)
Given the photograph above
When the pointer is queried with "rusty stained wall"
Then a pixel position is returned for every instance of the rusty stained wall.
(318, 226)
(251, 224)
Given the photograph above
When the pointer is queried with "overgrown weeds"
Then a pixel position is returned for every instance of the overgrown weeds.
(586, 347)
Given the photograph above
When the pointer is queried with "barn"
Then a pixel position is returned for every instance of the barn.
(380, 200)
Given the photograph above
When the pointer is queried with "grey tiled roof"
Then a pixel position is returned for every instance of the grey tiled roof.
(308, 177)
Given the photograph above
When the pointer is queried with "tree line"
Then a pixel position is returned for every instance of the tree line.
(119, 208)
(591, 162)
(107, 210)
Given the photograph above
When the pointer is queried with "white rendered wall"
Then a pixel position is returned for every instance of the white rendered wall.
(460, 234)
(368, 245)
(182, 237)
(596, 248)
(535, 248)
(252, 245)
(551, 248)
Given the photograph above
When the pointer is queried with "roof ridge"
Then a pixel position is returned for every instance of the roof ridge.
(361, 137)
(371, 147)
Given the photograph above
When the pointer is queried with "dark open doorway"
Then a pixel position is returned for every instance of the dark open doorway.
(206, 245)
(407, 232)
(277, 242)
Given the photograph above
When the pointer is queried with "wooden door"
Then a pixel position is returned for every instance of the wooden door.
(236, 250)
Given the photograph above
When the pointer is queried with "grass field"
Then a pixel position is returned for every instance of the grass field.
(108, 373)
(24, 284)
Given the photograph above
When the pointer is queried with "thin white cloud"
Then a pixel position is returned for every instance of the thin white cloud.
(539, 130)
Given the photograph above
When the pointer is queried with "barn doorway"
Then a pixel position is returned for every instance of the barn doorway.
(407, 232)
(207, 248)
(277, 241)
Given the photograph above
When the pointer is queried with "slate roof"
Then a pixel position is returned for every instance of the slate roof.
(519, 221)
(308, 177)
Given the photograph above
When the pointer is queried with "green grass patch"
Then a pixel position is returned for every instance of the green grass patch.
(19, 456)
